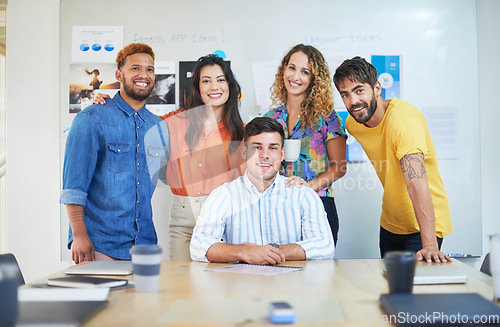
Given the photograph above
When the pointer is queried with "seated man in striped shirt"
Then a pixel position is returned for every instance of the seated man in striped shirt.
(255, 218)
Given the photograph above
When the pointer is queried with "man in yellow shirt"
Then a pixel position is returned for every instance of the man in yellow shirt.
(394, 134)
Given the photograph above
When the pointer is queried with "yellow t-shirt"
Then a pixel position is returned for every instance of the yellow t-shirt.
(402, 131)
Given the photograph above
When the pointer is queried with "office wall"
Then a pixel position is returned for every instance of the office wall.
(488, 26)
(33, 183)
(33, 176)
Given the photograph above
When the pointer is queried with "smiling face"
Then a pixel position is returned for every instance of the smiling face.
(359, 99)
(214, 89)
(264, 153)
(137, 78)
(297, 74)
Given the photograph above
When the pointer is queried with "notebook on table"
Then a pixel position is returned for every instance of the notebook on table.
(80, 281)
(407, 309)
(57, 313)
(101, 268)
(438, 274)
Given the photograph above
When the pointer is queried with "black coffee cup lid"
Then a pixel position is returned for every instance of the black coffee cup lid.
(400, 255)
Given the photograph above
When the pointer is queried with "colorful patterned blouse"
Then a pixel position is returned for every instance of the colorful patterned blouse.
(313, 158)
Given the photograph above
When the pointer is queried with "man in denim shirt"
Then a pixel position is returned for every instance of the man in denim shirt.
(114, 154)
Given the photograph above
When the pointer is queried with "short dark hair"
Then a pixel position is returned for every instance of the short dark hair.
(131, 49)
(356, 69)
(261, 125)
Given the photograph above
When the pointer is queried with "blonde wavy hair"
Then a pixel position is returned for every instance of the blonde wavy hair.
(319, 99)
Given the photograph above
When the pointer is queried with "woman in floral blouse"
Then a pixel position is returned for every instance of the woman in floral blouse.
(303, 92)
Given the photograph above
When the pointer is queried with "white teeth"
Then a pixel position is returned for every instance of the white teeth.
(214, 95)
(294, 84)
(141, 84)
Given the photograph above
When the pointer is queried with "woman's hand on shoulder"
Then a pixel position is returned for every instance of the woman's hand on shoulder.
(295, 181)
(100, 98)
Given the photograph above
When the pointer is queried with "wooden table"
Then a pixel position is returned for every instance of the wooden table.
(352, 286)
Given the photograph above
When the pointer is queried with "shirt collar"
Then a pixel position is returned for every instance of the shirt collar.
(250, 187)
(282, 110)
(126, 108)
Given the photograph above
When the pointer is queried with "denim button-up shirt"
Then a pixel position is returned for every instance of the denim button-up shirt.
(112, 161)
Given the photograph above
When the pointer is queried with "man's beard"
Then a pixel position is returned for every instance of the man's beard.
(128, 87)
(370, 110)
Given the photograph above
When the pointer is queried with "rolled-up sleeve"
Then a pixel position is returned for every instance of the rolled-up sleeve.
(80, 157)
(317, 240)
(211, 223)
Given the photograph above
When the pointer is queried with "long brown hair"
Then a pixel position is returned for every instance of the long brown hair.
(232, 118)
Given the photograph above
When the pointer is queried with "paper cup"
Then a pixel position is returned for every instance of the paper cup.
(292, 150)
(146, 261)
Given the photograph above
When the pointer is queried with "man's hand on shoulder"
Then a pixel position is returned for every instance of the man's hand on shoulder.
(261, 254)
(431, 253)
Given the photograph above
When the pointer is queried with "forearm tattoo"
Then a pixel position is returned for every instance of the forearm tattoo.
(413, 164)
(76, 216)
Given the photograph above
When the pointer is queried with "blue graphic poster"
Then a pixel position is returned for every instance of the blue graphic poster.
(354, 151)
(388, 74)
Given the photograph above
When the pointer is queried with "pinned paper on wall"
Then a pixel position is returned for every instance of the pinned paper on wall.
(444, 129)
(89, 79)
(389, 75)
(185, 74)
(333, 63)
(354, 151)
(263, 78)
(96, 43)
(162, 97)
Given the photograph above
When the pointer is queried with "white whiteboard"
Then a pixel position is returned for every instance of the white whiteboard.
(435, 39)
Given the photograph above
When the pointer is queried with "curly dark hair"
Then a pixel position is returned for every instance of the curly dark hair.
(319, 99)
(131, 49)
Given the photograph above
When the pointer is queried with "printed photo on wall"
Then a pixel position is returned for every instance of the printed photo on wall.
(162, 97)
(185, 73)
(86, 80)
(389, 75)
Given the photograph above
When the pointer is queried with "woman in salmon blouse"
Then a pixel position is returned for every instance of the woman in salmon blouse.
(205, 144)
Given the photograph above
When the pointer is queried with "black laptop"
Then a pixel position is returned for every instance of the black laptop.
(460, 309)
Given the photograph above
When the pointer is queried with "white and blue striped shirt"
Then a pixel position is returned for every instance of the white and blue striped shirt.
(237, 212)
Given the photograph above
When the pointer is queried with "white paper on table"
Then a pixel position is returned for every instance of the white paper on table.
(62, 294)
(255, 269)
